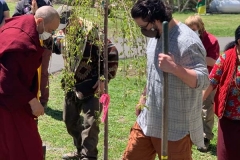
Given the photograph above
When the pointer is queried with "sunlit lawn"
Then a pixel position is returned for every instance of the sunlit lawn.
(220, 25)
(124, 91)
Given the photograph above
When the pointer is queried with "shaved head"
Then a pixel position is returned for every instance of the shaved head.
(47, 19)
(47, 13)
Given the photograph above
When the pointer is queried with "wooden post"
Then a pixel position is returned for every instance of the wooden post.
(106, 75)
(164, 144)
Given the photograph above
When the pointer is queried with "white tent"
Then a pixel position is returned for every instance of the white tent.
(225, 6)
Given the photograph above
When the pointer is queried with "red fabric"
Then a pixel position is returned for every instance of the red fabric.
(228, 141)
(211, 45)
(105, 100)
(223, 87)
(19, 137)
(20, 56)
(232, 108)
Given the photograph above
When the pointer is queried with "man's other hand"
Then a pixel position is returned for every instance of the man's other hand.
(100, 87)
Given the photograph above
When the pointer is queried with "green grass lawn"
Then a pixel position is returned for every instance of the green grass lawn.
(124, 91)
(220, 25)
(11, 6)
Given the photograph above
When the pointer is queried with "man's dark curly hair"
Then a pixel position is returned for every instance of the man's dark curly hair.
(151, 10)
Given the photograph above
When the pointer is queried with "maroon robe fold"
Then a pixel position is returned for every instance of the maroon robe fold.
(20, 56)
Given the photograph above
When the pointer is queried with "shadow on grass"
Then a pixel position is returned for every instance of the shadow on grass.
(56, 114)
(213, 149)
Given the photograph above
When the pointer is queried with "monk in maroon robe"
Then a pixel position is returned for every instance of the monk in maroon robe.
(20, 56)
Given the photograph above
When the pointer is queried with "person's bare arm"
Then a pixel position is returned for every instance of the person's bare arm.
(167, 64)
(6, 15)
(207, 92)
(190, 67)
(141, 102)
(210, 61)
(188, 76)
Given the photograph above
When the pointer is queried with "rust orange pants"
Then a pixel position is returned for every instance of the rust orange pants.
(141, 147)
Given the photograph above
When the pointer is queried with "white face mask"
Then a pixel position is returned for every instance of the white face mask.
(45, 35)
(197, 32)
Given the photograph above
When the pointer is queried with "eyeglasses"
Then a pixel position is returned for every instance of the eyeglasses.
(144, 27)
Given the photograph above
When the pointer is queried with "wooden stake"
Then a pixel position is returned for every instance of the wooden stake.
(106, 75)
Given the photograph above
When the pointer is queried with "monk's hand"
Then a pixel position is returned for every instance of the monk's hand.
(37, 108)
(99, 87)
(34, 6)
(166, 63)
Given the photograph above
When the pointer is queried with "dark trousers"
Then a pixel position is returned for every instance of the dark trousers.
(80, 119)
(228, 144)
(44, 84)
